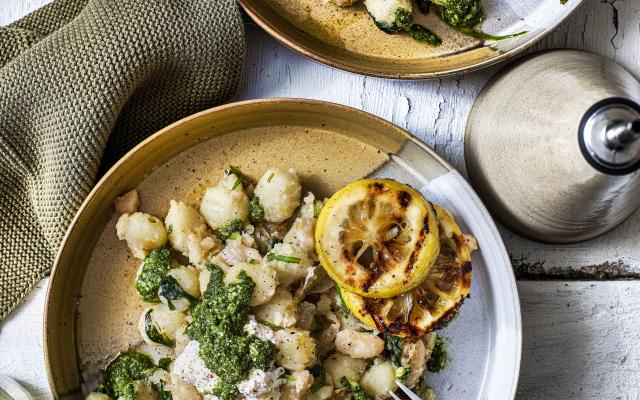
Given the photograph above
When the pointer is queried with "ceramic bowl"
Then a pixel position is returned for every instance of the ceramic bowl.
(346, 38)
(92, 308)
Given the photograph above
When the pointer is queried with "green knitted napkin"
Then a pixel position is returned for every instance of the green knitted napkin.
(83, 81)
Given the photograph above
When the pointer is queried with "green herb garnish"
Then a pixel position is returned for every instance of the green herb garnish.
(154, 270)
(287, 259)
(342, 307)
(238, 174)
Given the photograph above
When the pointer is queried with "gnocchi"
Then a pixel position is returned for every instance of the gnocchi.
(188, 233)
(359, 344)
(279, 310)
(142, 232)
(290, 262)
(158, 325)
(279, 192)
(224, 203)
(379, 379)
(296, 349)
(338, 365)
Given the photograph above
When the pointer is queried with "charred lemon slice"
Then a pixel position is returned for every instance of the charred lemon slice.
(434, 302)
(377, 238)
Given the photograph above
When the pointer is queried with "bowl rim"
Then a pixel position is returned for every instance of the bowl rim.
(272, 30)
(256, 102)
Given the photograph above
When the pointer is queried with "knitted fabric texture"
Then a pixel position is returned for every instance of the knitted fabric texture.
(82, 82)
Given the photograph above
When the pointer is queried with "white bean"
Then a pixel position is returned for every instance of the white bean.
(359, 344)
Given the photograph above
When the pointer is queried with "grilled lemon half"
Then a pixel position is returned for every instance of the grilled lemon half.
(377, 238)
(434, 302)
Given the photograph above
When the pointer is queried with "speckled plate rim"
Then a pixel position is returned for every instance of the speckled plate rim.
(274, 32)
(504, 292)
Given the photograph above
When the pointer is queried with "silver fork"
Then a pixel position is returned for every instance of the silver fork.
(406, 391)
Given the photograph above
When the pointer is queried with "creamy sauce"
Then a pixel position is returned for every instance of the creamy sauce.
(352, 29)
(109, 306)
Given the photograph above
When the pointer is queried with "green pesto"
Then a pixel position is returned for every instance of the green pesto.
(121, 373)
(460, 13)
(422, 34)
(171, 290)
(464, 16)
(439, 357)
(394, 347)
(402, 373)
(257, 210)
(287, 259)
(357, 393)
(401, 23)
(218, 326)
(154, 270)
(164, 363)
(153, 333)
(227, 231)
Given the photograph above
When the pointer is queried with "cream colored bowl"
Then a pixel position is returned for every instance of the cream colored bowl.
(92, 307)
(346, 38)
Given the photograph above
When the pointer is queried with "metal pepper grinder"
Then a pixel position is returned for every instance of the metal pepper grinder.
(552, 145)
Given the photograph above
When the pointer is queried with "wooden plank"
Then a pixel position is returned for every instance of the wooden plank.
(580, 340)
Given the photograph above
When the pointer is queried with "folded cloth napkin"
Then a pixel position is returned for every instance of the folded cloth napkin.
(83, 81)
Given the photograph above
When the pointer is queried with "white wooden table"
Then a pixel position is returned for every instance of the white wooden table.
(580, 319)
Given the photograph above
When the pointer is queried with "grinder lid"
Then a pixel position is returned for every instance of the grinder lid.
(609, 136)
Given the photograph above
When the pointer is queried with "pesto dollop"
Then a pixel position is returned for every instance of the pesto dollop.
(233, 227)
(218, 326)
(439, 357)
(257, 210)
(154, 270)
(357, 393)
(121, 374)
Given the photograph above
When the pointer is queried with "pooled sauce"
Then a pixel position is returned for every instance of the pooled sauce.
(352, 29)
(109, 307)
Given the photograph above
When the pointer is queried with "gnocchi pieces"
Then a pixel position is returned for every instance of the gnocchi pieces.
(279, 193)
(239, 307)
(225, 204)
(188, 233)
(296, 349)
(142, 232)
